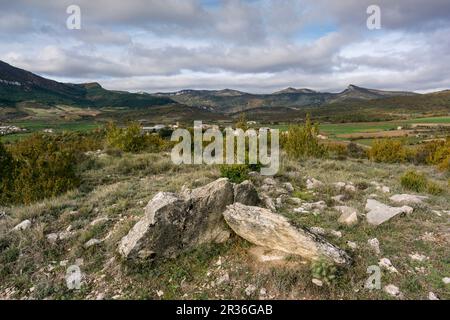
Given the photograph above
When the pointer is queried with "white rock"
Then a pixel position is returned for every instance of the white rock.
(408, 199)
(159, 293)
(300, 210)
(349, 215)
(267, 229)
(338, 198)
(23, 225)
(379, 213)
(317, 282)
(418, 257)
(318, 230)
(288, 186)
(350, 188)
(99, 221)
(432, 296)
(91, 243)
(263, 292)
(270, 181)
(313, 184)
(250, 290)
(386, 264)
(336, 234)
(392, 290)
(446, 280)
(52, 237)
(352, 245)
(339, 185)
(225, 278)
(375, 245)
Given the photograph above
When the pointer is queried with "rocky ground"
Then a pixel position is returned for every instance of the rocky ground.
(143, 228)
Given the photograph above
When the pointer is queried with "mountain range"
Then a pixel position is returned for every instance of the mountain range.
(18, 86)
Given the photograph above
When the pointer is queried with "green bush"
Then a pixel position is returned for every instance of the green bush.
(131, 139)
(237, 173)
(43, 166)
(324, 271)
(6, 174)
(388, 151)
(414, 181)
(355, 151)
(302, 142)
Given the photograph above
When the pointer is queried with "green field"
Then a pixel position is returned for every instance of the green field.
(35, 126)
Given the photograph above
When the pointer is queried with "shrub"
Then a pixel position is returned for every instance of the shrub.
(356, 151)
(44, 166)
(6, 174)
(389, 151)
(302, 142)
(324, 271)
(338, 150)
(434, 188)
(128, 139)
(434, 153)
(237, 173)
(414, 181)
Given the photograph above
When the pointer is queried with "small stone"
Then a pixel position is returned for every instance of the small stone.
(317, 230)
(375, 245)
(99, 221)
(225, 278)
(288, 186)
(418, 257)
(408, 199)
(349, 216)
(392, 290)
(317, 282)
(23, 225)
(91, 243)
(446, 280)
(262, 292)
(270, 181)
(386, 264)
(352, 245)
(250, 290)
(79, 262)
(432, 296)
(336, 234)
(313, 184)
(64, 263)
(350, 188)
(159, 293)
(52, 238)
(338, 198)
(340, 185)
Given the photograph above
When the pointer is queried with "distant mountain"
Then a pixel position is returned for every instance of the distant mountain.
(231, 101)
(357, 93)
(17, 85)
(293, 90)
(22, 91)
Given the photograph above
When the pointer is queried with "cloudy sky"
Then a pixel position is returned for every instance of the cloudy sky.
(250, 45)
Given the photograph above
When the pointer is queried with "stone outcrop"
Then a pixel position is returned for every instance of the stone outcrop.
(408, 199)
(173, 223)
(246, 193)
(265, 228)
(379, 213)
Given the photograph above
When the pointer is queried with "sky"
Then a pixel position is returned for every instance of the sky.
(249, 45)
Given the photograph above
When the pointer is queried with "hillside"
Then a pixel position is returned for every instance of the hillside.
(17, 85)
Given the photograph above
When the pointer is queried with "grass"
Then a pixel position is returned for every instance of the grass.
(118, 187)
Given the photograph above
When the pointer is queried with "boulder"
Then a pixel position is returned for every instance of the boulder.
(408, 199)
(246, 193)
(265, 228)
(23, 225)
(313, 184)
(174, 223)
(379, 213)
(349, 216)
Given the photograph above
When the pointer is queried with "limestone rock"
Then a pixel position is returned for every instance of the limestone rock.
(313, 184)
(246, 193)
(174, 223)
(349, 216)
(408, 199)
(379, 213)
(375, 245)
(385, 263)
(392, 290)
(23, 225)
(265, 228)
